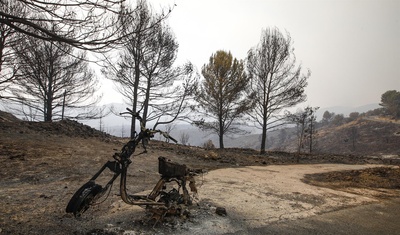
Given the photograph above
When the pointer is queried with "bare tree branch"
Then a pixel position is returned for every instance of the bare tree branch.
(144, 69)
(276, 81)
(53, 80)
(93, 22)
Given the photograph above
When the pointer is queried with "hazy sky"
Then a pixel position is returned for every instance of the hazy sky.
(351, 47)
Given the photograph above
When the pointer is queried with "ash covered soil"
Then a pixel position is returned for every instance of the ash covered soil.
(43, 164)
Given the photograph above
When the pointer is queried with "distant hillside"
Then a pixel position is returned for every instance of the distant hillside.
(363, 136)
(371, 135)
(367, 135)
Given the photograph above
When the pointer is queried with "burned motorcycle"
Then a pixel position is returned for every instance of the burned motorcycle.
(160, 201)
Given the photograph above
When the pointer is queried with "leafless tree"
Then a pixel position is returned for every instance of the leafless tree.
(125, 70)
(353, 136)
(144, 70)
(86, 24)
(312, 127)
(8, 39)
(161, 87)
(282, 138)
(122, 131)
(178, 98)
(305, 121)
(275, 79)
(184, 138)
(53, 79)
(168, 129)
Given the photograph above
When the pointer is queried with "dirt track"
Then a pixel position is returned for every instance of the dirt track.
(257, 196)
(370, 219)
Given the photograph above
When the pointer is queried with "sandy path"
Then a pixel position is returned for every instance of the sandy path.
(255, 196)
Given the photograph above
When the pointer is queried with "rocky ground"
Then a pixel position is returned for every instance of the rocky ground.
(43, 164)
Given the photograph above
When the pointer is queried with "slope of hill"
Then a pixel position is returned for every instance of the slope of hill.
(11, 124)
(117, 125)
(367, 135)
(364, 136)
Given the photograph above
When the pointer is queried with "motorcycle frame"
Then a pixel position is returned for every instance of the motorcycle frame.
(119, 167)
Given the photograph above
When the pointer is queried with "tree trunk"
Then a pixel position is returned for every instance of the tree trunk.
(146, 102)
(48, 104)
(133, 121)
(49, 91)
(63, 105)
(135, 98)
(311, 134)
(221, 134)
(221, 141)
(263, 137)
(266, 92)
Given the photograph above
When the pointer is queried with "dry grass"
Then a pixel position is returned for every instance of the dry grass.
(378, 177)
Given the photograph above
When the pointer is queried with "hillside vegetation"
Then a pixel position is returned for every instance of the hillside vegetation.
(366, 135)
(371, 135)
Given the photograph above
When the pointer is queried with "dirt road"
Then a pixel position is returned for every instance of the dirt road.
(256, 197)
(371, 219)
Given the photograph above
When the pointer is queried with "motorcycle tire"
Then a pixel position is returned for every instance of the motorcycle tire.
(82, 198)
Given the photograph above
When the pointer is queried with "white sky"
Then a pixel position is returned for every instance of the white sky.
(352, 47)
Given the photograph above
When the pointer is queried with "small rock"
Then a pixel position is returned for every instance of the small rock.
(220, 211)
(130, 232)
